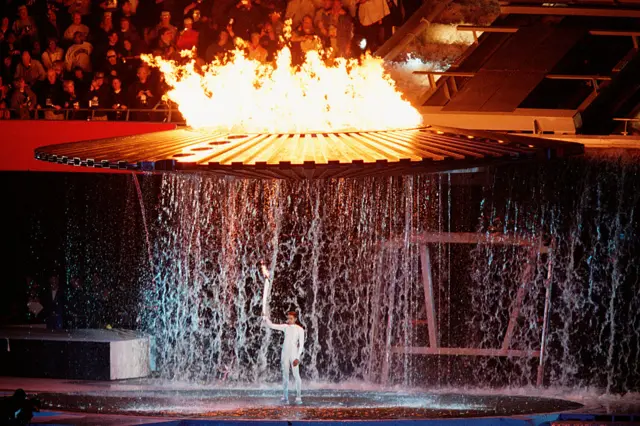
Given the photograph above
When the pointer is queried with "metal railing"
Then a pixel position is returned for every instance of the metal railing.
(162, 115)
(626, 122)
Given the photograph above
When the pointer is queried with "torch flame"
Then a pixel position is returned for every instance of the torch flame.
(244, 95)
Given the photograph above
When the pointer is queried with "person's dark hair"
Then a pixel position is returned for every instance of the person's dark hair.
(163, 31)
(20, 394)
(293, 313)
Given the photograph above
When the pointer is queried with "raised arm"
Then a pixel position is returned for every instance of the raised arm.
(279, 327)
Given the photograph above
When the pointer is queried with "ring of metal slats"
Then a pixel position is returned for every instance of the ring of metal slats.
(305, 155)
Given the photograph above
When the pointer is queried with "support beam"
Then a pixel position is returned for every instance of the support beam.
(615, 33)
(421, 350)
(427, 282)
(478, 238)
(446, 73)
(593, 78)
(570, 11)
(578, 77)
(470, 238)
(626, 121)
(515, 310)
(487, 29)
(545, 322)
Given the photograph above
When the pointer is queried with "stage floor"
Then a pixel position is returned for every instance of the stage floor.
(139, 401)
(158, 398)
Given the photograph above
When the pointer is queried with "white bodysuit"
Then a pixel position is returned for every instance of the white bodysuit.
(292, 349)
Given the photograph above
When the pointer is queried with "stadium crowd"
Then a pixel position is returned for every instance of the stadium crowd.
(62, 58)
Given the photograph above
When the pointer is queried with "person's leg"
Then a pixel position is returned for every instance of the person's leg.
(296, 376)
(285, 376)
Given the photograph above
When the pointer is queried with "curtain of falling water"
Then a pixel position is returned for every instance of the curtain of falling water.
(340, 253)
(588, 210)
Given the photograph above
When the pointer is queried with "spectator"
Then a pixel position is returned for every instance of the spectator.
(219, 49)
(112, 43)
(165, 47)
(54, 302)
(118, 99)
(4, 27)
(188, 38)
(25, 26)
(200, 24)
(109, 5)
(220, 13)
(275, 17)
(23, 100)
(50, 96)
(142, 94)
(246, 18)
(148, 39)
(5, 114)
(4, 90)
(371, 13)
(52, 54)
(81, 82)
(36, 49)
(98, 96)
(126, 11)
(130, 59)
(58, 66)
(101, 36)
(165, 22)
(127, 32)
(72, 100)
(297, 10)
(10, 47)
(75, 27)
(8, 70)
(114, 68)
(82, 7)
(79, 54)
(306, 36)
(30, 70)
(269, 41)
(198, 5)
(322, 18)
(34, 314)
(339, 26)
(256, 51)
(51, 28)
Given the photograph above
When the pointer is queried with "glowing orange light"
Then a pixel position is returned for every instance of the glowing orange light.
(244, 95)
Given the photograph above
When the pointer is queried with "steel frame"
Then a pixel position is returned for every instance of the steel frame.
(434, 347)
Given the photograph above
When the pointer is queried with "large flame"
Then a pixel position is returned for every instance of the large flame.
(244, 95)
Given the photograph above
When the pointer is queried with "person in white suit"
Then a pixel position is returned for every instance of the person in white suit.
(292, 350)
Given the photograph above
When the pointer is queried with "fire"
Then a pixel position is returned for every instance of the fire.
(244, 95)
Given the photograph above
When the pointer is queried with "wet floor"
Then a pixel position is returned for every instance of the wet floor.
(155, 398)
